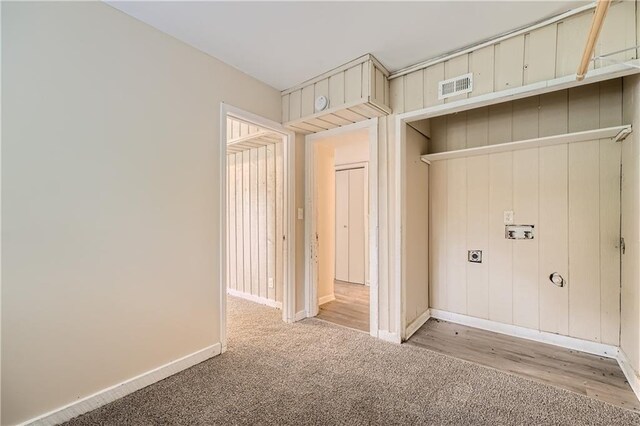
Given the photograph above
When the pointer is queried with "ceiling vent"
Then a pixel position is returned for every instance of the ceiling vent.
(455, 86)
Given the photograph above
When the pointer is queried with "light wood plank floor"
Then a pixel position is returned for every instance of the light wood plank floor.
(583, 373)
(351, 307)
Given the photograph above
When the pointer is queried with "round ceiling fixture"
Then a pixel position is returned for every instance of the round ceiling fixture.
(321, 103)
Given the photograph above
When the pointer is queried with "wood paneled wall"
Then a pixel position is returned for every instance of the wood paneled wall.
(582, 108)
(571, 194)
(542, 54)
(255, 222)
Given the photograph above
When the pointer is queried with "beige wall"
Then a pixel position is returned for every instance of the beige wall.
(255, 223)
(299, 227)
(630, 299)
(110, 209)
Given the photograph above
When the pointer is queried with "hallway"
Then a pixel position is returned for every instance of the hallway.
(313, 372)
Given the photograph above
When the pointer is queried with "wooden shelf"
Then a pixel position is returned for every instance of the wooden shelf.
(254, 140)
(587, 135)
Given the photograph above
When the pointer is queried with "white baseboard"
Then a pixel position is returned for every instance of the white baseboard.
(326, 299)
(595, 348)
(389, 337)
(112, 393)
(629, 372)
(256, 299)
(300, 315)
(417, 323)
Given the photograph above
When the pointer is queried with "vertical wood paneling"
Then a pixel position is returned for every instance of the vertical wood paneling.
(456, 235)
(254, 222)
(438, 234)
(525, 118)
(246, 218)
(609, 241)
(295, 102)
(553, 238)
(380, 83)
(322, 89)
(584, 108)
(525, 252)
(353, 83)
(271, 220)
(438, 142)
(432, 76)
(481, 64)
(285, 108)
(540, 54)
(478, 235)
(397, 95)
(618, 33)
(307, 100)
(239, 212)
(500, 249)
(232, 265)
(500, 123)
(336, 90)
(509, 60)
(279, 219)
(553, 113)
(584, 240)
(477, 127)
(456, 131)
(611, 103)
(454, 68)
(414, 91)
(262, 220)
(572, 34)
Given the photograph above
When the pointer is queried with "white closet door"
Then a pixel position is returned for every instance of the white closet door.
(342, 225)
(356, 226)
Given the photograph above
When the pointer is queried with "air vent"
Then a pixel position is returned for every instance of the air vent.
(455, 86)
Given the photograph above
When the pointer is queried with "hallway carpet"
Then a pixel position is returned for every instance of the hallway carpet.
(313, 373)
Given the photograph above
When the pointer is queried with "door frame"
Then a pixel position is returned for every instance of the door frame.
(310, 251)
(289, 138)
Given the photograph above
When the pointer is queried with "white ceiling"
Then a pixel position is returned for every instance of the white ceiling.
(286, 43)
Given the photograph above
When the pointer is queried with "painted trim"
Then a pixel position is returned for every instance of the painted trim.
(491, 41)
(389, 337)
(110, 394)
(398, 138)
(254, 298)
(566, 138)
(594, 348)
(326, 299)
(300, 315)
(417, 323)
(288, 305)
(310, 283)
(629, 372)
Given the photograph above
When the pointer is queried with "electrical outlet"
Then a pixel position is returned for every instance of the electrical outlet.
(300, 213)
(270, 282)
(475, 256)
(508, 217)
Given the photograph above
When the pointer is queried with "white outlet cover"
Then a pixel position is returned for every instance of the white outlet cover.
(508, 217)
(270, 282)
(300, 213)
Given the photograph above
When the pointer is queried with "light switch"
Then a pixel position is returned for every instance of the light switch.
(508, 217)
(300, 213)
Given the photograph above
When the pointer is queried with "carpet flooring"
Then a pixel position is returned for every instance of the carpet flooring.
(313, 373)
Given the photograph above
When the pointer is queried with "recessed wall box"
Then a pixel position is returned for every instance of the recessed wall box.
(519, 232)
(475, 256)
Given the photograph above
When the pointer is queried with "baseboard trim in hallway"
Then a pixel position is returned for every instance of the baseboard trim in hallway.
(112, 393)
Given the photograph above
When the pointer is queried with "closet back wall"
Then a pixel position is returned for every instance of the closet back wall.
(255, 219)
(571, 193)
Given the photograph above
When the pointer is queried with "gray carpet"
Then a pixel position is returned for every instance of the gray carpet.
(313, 372)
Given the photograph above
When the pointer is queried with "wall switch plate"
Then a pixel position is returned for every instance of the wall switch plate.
(270, 282)
(475, 256)
(300, 213)
(508, 217)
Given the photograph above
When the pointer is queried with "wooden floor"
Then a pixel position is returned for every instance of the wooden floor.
(586, 374)
(351, 307)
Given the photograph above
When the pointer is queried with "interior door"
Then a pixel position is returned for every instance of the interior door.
(342, 225)
(356, 227)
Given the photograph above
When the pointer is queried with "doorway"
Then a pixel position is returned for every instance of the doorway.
(257, 256)
(341, 255)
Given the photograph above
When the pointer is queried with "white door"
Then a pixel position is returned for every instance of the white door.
(357, 226)
(342, 225)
